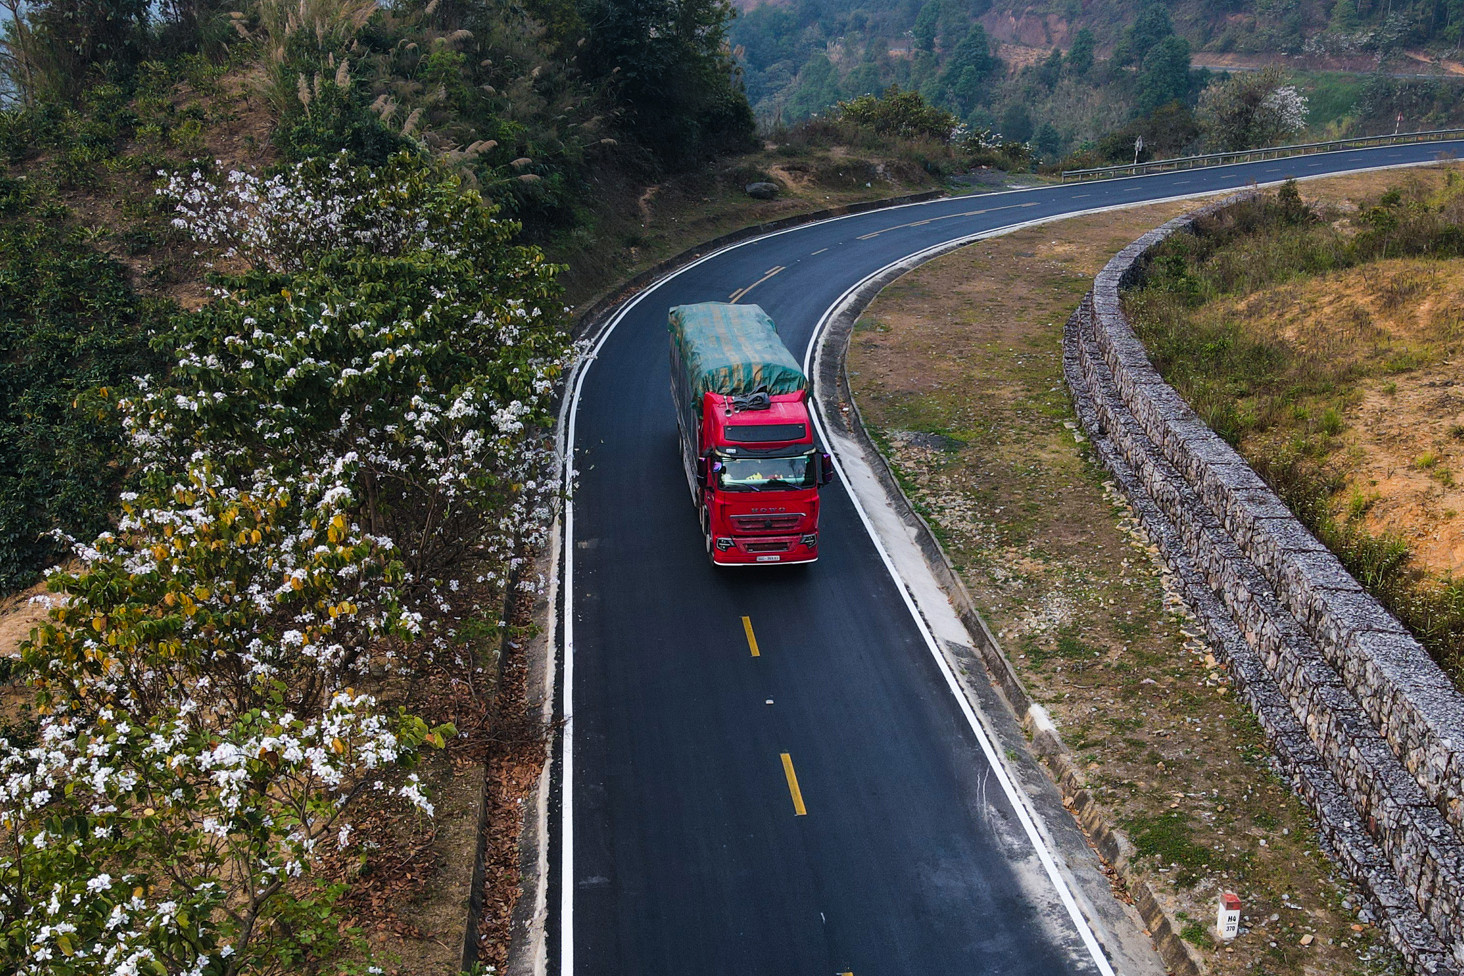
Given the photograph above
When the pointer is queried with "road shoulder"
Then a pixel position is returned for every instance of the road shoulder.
(1069, 626)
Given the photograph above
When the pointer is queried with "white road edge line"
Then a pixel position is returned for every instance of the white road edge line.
(563, 542)
(1018, 800)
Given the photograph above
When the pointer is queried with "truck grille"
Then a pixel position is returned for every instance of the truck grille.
(766, 523)
(780, 546)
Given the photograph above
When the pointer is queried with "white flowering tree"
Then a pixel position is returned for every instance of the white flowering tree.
(1250, 110)
(1285, 108)
(388, 333)
(349, 424)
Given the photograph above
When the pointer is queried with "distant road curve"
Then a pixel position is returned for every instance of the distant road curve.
(767, 772)
(1448, 70)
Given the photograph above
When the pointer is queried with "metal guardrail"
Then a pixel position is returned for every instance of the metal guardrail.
(1252, 155)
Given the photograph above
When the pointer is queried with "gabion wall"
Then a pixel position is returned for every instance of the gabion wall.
(1365, 725)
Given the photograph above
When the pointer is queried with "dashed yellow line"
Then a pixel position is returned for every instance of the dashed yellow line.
(751, 637)
(931, 220)
(799, 810)
(740, 293)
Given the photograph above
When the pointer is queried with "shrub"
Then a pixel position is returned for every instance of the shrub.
(331, 117)
(897, 113)
(450, 349)
(351, 420)
(75, 332)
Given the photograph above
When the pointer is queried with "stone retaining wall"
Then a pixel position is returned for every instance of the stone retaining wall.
(1366, 726)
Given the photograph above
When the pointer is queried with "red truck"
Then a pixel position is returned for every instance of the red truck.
(746, 437)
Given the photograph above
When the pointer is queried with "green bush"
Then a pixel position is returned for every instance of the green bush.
(74, 331)
(15, 135)
(897, 113)
(79, 137)
(336, 119)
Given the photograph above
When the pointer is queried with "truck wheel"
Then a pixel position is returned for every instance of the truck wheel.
(707, 532)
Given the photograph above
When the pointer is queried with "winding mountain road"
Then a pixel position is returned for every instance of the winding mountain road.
(766, 771)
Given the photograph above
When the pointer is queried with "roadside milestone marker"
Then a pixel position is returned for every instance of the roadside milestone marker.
(1227, 921)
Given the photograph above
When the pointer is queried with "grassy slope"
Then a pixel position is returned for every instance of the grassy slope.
(639, 225)
(1338, 385)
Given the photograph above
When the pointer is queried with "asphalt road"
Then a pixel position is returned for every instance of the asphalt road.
(767, 772)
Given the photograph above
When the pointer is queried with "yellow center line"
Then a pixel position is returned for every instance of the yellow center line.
(739, 293)
(799, 810)
(751, 638)
(930, 220)
(1010, 206)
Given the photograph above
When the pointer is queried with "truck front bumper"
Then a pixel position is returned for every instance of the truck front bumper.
(764, 550)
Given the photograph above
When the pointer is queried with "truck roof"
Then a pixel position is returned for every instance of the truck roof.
(732, 350)
(754, 429)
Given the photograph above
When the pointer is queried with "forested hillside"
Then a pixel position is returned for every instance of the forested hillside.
(521, 103)
(1064, 75)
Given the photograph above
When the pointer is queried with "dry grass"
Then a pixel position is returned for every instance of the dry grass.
(1331, 366)
(1391, 333)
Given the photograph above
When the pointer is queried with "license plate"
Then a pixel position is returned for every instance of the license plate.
(768, 559)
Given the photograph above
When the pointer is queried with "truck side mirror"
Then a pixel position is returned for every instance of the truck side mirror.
(825, 468)
(702, 466)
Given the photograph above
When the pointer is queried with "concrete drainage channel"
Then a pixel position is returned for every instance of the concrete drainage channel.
(1367, 728)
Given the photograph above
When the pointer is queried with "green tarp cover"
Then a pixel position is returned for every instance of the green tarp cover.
(732, 349)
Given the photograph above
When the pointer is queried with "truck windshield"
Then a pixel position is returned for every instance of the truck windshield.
(767, 473)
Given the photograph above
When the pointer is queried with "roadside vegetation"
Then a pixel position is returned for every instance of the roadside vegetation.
(330, 477)
(1320, 341)
(287, 288)
(73, 327)
(956, 369)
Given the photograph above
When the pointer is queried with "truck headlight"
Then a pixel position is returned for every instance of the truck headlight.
(723, 544)
(810, 539)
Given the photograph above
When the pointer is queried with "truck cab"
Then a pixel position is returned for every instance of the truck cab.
(746, 436)
(757, 479)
